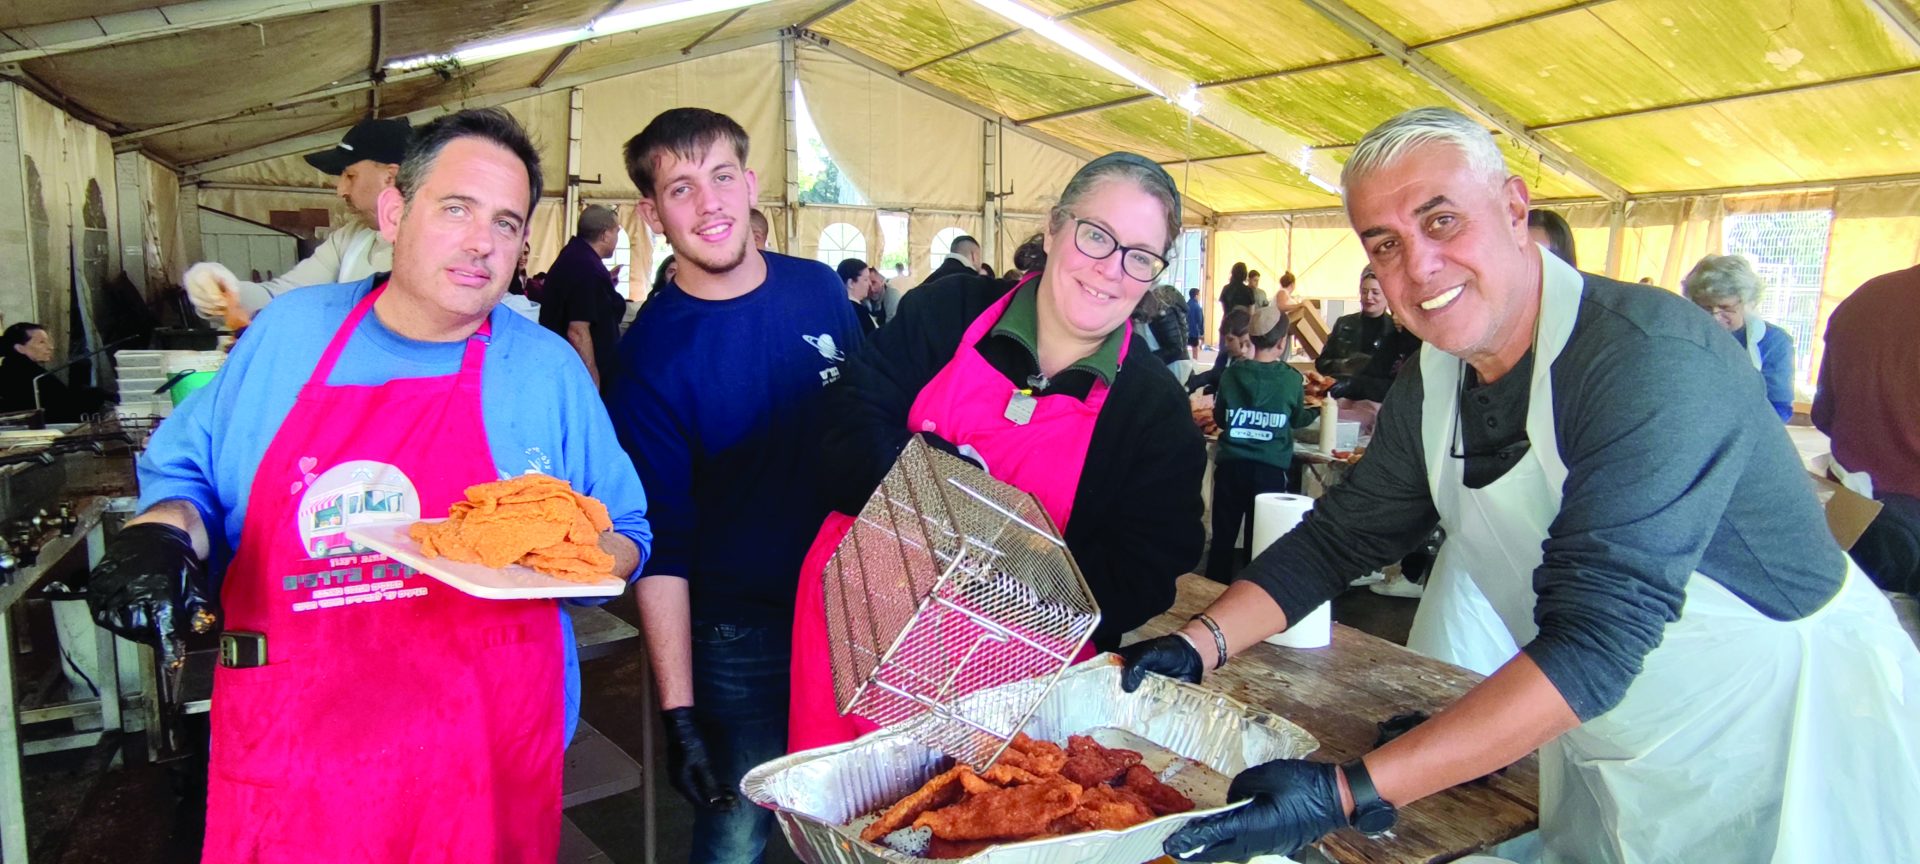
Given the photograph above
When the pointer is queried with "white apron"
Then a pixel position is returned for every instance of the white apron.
(1756, 328)
(1743, 739)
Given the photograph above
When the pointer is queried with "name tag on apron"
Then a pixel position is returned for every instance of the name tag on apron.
(1020, 407)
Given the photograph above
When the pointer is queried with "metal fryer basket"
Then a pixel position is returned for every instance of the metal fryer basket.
(952, 584)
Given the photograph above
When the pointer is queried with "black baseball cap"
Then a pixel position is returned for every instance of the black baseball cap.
(379, 140)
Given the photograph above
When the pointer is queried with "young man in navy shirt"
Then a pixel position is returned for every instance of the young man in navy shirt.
(716, 402)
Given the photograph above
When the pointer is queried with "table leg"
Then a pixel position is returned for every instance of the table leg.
(106, 661)
(13, 808)
(648, 712)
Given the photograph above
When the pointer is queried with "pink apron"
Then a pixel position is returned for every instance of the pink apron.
(397, 720)
(966, 404)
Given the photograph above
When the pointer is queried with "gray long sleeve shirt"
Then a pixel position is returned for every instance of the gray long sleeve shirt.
(1676, 463)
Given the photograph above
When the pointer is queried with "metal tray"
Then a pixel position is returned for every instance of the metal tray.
(816, 794)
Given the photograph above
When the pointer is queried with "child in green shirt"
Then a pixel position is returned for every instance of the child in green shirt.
(1260, 402)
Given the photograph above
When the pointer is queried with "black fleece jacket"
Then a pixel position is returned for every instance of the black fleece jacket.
(1135, 525)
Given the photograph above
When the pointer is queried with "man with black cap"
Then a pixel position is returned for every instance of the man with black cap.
(365, 162)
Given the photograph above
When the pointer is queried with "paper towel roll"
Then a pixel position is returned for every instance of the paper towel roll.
(1275, 514)
(1329, 426)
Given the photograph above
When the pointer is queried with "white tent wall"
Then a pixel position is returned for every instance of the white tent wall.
(149, 199)
(811, 220)
(900, 147)
(59, 192)
(1015, 228)
(743, 84)
(922, 227)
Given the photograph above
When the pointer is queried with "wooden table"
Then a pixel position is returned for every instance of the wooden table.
(1340, 693)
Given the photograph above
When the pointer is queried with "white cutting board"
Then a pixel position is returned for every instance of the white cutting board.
(512, 582)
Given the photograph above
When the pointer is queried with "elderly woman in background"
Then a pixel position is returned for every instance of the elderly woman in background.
(1048, 387)
(1727, 287)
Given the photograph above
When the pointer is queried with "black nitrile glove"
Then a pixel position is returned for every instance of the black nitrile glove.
(951, 449)
(1294, 802)
(1169, 655)
(149, 585)
(688, 766)
(1340, 390)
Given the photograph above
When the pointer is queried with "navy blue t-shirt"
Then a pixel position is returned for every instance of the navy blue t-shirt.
(717, 403)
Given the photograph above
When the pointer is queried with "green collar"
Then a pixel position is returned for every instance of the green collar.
(1021, 323)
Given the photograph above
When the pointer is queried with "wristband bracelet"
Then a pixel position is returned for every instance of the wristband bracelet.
(1219, 638)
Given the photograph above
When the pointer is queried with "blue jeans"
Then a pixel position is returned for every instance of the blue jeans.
(740, 687)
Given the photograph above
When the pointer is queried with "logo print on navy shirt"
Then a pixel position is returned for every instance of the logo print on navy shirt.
(823, 343)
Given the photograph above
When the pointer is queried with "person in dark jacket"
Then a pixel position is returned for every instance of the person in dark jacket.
(27, 350)
(1356, 337)
(963, 258)
(1236, 292)
(1196, 323)
(1046, 388)
(857, 276)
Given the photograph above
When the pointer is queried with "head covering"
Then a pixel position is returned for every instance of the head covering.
(383, 141)
(1153, 168)
(1265, 319)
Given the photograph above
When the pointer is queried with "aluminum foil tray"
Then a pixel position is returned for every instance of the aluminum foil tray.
(821, 795)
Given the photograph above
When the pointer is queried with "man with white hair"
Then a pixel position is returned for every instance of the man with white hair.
(1706, 675)
(366, 162)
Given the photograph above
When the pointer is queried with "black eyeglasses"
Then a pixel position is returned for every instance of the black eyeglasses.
(1094, 242)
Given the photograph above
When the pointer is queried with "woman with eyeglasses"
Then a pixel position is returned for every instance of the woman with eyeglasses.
(1047, 387)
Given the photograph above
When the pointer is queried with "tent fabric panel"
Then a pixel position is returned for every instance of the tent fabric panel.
(1417, 21)
(471, 82)
(1545, 180)
(291, 171)
(663, 40)
(770, 16)
(1876, 230)
(200, 143)
(1025, 76)
(1592, 226)
(1208, 40)
(441, 26)
(1662, 240)
(1334, 106)
(1327, 258)
(1154, 128)
(907, 33)
(1015, 228)
(744, 85)
(922, 227)
(194, 74)
(1249, 183)
(25, 13)
(810, 221)
(545, 119)
(1629, 56)
(1033, 174)
(547, 231)
(1866, 129)
(897, 145)
(257, 205)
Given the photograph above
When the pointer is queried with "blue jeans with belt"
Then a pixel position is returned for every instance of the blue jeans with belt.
(740, 687)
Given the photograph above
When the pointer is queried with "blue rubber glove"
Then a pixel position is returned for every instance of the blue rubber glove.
(1290, 803)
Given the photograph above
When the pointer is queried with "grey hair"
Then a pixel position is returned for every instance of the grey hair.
(1391, 141)
(1718, 277)
(1098, 172)
(595, 222)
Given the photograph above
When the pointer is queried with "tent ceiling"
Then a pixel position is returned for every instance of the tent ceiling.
(1653, 96)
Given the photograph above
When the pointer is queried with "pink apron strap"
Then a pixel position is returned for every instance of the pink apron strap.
(471, 359)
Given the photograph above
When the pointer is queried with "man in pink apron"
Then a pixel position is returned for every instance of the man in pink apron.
(1705, 674)
(1046, 389)
(366, 712)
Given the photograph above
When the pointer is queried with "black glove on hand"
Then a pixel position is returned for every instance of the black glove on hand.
(951, 449)
(149, 584)
(688, 765)
(1340, 390)
(1294, 802)
(1169, 655)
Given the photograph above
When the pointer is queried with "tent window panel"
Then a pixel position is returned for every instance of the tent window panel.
(840, 241)
(942, 244)
(622, 256)
(1789, 251)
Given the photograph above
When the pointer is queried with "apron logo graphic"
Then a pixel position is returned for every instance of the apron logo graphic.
(350, 494)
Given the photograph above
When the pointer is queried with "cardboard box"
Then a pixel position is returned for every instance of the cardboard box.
(1848, 512)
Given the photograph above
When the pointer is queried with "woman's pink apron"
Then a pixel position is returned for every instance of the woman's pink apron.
(966, 404)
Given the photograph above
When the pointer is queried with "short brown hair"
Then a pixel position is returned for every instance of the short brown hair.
(687, 133)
